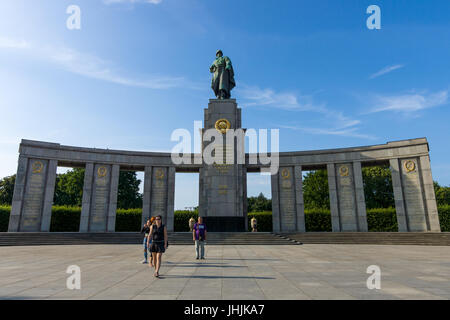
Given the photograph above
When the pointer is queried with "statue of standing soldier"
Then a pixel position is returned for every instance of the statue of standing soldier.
(223, 76)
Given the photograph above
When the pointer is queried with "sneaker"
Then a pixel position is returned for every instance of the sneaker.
(197, 258)
(203, 258)
(144, 261)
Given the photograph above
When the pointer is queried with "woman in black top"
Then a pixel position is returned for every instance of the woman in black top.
(158, 234)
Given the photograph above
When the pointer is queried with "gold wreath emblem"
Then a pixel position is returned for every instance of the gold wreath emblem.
(344, 171)
(285, 174)
(101, 171)
(410, 166)
(222, 125)
(159, 174)
(37, 167)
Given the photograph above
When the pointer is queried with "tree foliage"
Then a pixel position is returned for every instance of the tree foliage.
(69, 189)
(378, 190)
(315, 190)
(7, 189)
(259, 203)
(442, 194)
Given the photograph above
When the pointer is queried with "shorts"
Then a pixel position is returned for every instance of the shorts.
(157, 247)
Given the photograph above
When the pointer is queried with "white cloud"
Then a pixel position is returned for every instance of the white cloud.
(92, 66)
(339, 123)
(410, 103)
(346, 132)
(256, 96)
(386, 70)
(7, 43)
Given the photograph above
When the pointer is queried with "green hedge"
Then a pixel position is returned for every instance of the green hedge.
(67, 219)
(382, 220)
(444, 217)
(318, 220)
(4, 218)
(263, 219)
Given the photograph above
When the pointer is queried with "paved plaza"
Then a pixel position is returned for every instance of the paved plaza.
(229, 272)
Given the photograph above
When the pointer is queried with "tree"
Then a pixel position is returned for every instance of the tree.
(315, 190)
(378, 190)
(442, 194)
(259, 203)
(7, 189)
(69, 189)
(128, 196)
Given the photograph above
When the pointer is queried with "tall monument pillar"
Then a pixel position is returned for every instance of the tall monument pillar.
(222, 185)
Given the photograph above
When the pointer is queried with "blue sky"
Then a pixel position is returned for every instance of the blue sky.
(137, 70)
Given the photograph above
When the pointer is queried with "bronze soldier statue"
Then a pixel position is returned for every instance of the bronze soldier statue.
(223, 76)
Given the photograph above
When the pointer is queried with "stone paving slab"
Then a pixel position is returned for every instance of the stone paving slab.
(314, 271)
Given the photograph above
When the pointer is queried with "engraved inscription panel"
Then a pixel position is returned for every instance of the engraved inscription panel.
(413, 195)
(34, 196)
(287, 200)
(159, 193)
(100, 198)
(346, 193)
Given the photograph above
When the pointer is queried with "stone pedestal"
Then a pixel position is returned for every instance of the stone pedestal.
(222, 185)
(159, 195)
(288, 212)
(33, 195)
(98, 213)
(347, 203)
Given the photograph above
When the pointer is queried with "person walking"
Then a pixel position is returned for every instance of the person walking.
(199, 237)
(146, 231)
(158, 234)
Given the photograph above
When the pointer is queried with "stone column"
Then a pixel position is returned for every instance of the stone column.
(146, 199)
(244, 196)
(360, 198)
(300, 206)
(170, 199)
(398, 195)
(347, 197)
(288, 213)
(429, 196)
(49, 195)
(159, 196)
(334, 206)
(18, 196)
(415, 201)
(87, 194)
(112, 207)
(99, 198)
(276, 227)
(33, 195)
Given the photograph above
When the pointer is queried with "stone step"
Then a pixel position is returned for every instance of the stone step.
(226, 238)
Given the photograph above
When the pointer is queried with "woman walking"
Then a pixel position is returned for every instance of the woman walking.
(146, 231)
(158, 235)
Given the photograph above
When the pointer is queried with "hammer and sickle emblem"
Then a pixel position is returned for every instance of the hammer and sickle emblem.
(37, 167)
(285, 174)
(344, 171)
(222, 125)
(159, 174)
(410, 166)
(101, 171)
